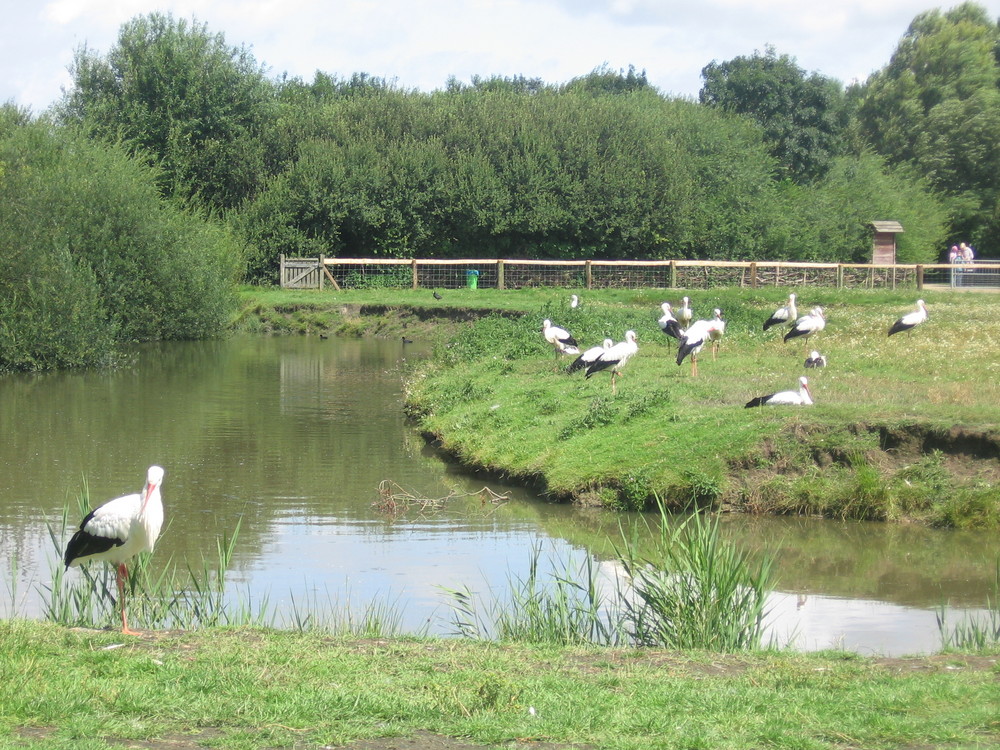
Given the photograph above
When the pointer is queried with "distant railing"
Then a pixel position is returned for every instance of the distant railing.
(983, 273)
(353, 273)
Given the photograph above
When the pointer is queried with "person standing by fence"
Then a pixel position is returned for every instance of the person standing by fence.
(962, 257)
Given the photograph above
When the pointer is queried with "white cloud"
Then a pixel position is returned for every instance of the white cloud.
(421, 43)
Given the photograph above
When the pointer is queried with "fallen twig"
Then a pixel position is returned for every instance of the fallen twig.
(394, 501)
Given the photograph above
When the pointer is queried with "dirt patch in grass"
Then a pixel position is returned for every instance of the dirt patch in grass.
(915, 456)
(209, 737)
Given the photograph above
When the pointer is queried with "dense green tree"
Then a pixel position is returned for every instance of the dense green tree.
(803, 116)
(830, 218)
(500, 171)
(603, 166)
(91, 256)
(604, 80)
(936, 108)
(178, 94)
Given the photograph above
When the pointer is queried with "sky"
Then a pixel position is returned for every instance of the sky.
(420, 44)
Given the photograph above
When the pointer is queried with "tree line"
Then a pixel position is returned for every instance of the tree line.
(769, 163)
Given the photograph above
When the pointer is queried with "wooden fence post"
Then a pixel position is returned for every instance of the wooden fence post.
(281, 271)
(920, 276)
(319, 271)
(673, 274)
(840, 276)
(500, 274)
(753, 275)
(589, 272)
(416, 280)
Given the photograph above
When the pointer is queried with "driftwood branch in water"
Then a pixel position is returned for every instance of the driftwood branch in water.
(393, 500)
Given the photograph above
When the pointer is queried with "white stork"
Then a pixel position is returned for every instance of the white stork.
(692, 341)
(801, 397)
(118, 530)
(668, 323)
(807, 325)
(589, 356)
(561, 340)
(783, 315)
(717, 327)
(815, 359)
(685, 314)
(910, 320)
(574, 301)
(615, 358)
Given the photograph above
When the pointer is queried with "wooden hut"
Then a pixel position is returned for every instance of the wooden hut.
(884, 241)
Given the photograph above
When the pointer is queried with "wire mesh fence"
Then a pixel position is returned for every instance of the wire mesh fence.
(368, 273)
(973, 274)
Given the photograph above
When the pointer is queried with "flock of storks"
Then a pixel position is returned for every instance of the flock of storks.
(693, 336)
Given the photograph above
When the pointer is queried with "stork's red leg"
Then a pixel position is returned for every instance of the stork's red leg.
(122, 577)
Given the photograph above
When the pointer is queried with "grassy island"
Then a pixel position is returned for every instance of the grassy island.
(903, 428)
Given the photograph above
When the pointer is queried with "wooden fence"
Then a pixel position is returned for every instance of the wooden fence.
(353, 273)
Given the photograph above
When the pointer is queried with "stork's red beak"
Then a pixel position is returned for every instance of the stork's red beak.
(150, 486)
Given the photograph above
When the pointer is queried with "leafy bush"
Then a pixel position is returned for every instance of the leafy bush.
(92, 257)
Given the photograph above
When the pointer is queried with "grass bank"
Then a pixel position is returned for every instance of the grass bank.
(252, 688)
(904, 428)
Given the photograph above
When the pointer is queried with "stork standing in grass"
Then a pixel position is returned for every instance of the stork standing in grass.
(685, 314)
(801, 397)
(910, 320)
(783, 315)
(562, 341)
(668, 323)
(589, 356)
(615, 359)
(692, 342)
(574, 301)
(118, 530)
(808, 325)
(717, 327)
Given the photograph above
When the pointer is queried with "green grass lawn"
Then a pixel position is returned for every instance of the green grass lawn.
(246, 688)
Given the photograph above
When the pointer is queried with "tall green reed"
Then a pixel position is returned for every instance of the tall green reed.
(376, 619)
(694, 590)
(163, 596)
(187, 596)
(974, 633)
(689, 589)
(571, 610)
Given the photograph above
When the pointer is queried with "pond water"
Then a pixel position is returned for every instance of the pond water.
(292, 438)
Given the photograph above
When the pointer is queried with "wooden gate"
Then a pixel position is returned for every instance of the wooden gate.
(301, 273)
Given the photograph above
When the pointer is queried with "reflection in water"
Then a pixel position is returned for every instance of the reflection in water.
(294, 436)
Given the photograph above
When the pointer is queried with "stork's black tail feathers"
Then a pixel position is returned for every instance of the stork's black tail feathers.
(673, 329)
(684, 349)
(598, 365)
